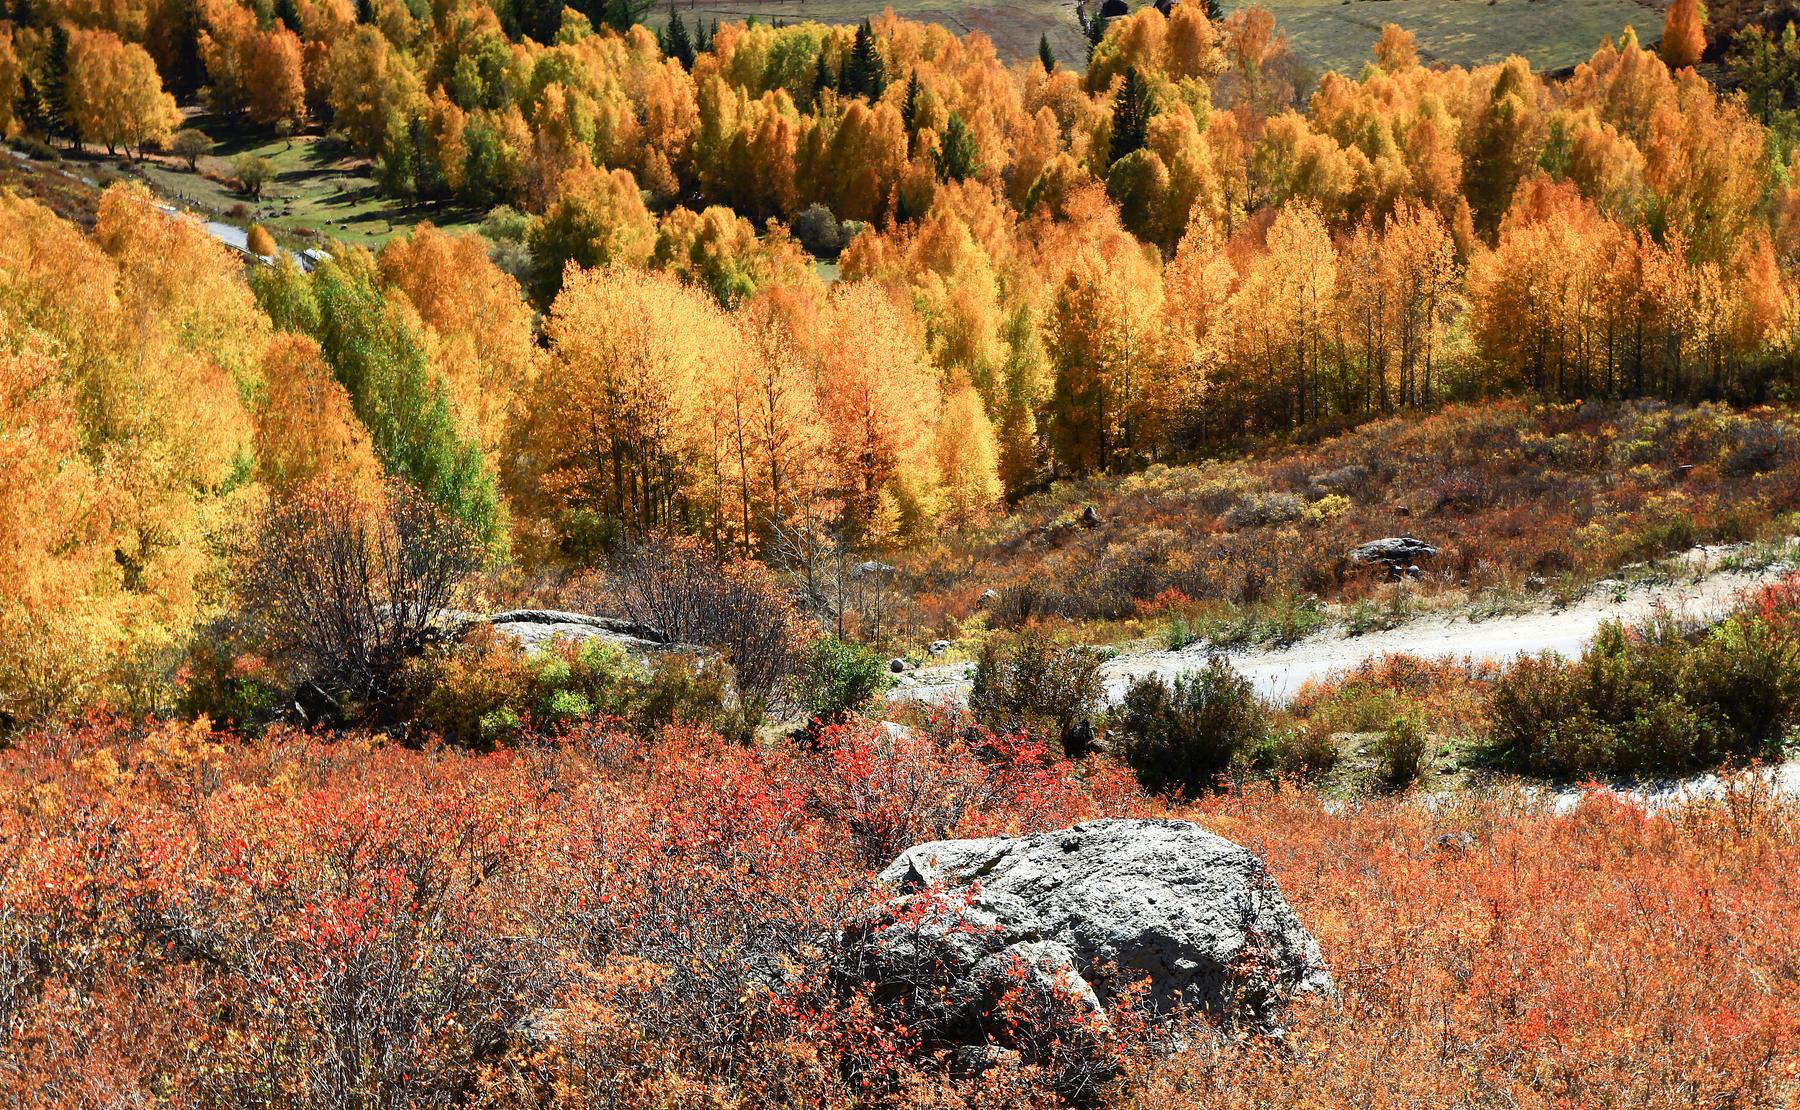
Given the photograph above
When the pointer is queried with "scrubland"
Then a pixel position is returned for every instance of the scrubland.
(202, 920)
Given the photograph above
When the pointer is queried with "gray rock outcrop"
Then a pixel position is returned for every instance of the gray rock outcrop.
(1087, 911)
(535, 628)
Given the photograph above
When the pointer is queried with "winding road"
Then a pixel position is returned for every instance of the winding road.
(1699, 590)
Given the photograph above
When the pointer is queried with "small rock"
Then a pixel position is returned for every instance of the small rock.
(938, 647)
(897, 665)
(1535, 583)
(1455, 842)
(1413, 571)
(987, 597)
(1402, 510)
(971, 1061)
(1079, 740)
(1393, 550)
(863, 570)
(1089, 518)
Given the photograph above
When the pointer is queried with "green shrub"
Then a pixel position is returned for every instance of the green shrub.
(1401, 748)
(681, 689)
(484, 691)
(1656, 701)
(1183, 736)
(1027, 683)
(573, 680)
(840, 677)
(37, 149)
(221, 681)
(1305, 751)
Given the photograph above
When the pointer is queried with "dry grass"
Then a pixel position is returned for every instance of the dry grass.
(1517, 497)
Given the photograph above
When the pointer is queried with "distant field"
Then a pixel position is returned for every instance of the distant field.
(1327, 34)
(319, 192)
(1553, 34)
(1014, 25)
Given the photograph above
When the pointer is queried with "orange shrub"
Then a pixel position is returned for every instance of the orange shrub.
(293, 922)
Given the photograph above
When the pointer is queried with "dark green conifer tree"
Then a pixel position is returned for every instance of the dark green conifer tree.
(958, 158)
(1046, 56)
(1131, 112)
(909, 108)
(677, 45)
(865, 75)
(823, 79)
(51, 112)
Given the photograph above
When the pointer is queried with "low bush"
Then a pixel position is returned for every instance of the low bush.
(187, 923)
(682, 588)
(820, 232)
(37, 149)
(1505, 490)
(1283, 621)
(1028, 683)
(1183, 736)
(485, 692)
(222, 680)
(840, 677)
(1658, 700)
(342, 588)
(1401, 748)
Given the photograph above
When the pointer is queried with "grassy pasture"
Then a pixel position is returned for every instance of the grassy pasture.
(320, 191)
(1553, 34)
(1327, 34)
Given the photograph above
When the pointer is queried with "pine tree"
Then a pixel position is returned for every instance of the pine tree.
(1132, 108)
(909, 109)
(1046, 56)
(621, 15)
(1096, 30)
(823, 79)
(958, 158)
(52, 84)
(864, 73)
(678, 45)
(1215, 11)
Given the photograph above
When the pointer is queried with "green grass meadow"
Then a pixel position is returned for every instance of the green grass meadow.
(320, 190)
(1326, 34)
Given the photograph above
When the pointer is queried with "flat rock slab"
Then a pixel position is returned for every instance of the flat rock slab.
(1394, 550)
(535, 628)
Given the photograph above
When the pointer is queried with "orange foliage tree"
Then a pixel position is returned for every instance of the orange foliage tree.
(1684, 34)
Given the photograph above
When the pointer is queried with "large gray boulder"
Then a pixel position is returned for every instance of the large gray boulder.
(1089, 910)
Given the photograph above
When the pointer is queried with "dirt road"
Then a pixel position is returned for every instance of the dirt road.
(1699, 589)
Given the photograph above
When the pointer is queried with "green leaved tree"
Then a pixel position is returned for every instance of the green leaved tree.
(379, 357)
